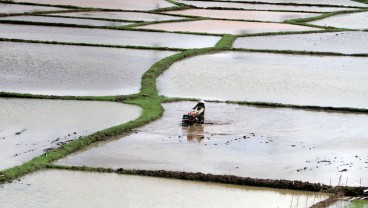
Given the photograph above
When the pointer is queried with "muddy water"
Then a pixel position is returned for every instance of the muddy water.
(72, 21)
(353, 21)
(28, 126)
(31, 68)
(244, 141)
(16, 8)
(341, 42)
(204, 4)
(289, 79)
(56, 188)
(106, 37)
(244, 15)
(319, 2)
(137, 16)
(107, 4)
(228, 27)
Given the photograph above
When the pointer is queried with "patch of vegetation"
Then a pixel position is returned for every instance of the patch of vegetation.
(362, 1)
(226, 42)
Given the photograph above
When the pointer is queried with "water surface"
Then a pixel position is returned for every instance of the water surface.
(106, 37)
(17, 8)
(318, 2)
(354, 21)
(71, 21)
(246, 141)
(205, 4)
(107, 4)
(73, 70)
(339, 42)
(277, 78)
(224, 26)
(135, 16)
(244, 15)
(29, 126)
(56, 188)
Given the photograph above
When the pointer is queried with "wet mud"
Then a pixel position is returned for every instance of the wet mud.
(249, 142)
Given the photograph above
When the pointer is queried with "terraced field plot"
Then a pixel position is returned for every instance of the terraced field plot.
(260, 77)
(31, 68)
(244, 15)
(262, 7)
(243, 141)
(29, 126)
(17, 8)
(132, 16)
(106, 4)
(69, 21)
(226, 27)
(134, 191)
(354, 21)
(337, 42)
(105, 37)
(311, 2)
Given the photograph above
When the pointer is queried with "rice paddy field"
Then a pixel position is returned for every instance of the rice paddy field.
(92, 95)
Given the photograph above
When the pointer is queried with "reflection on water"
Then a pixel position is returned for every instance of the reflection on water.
(224, 26)
(31, 68)
(244, 15)
(105, 37)
(244, 141)
(353, 21)
(194, 133)
(56, 188)
(137, 16)
(17, 8)
(341, 42)
(29, 126)
(289, 79)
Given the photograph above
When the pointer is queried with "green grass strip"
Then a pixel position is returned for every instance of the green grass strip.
(226, 42)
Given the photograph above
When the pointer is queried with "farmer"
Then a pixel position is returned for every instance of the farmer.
(200, 108)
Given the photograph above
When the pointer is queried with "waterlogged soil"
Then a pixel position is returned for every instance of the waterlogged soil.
(315, 2)
(106, 37)
(226, 27)
(289, 79)
(132, 16)
(270, 143)
(263, 7)
(244, 15)
(71, 21)
(16, 8)
(97, 71)
(52, 188)
(353, 21)
(30, 127)
(106, 4)
(339, 42)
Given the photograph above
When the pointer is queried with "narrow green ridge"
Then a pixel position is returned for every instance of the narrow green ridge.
(226, 42)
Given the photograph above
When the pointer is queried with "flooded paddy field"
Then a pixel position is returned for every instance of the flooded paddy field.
(263, 7)
(226, 27)
(71, 21)
(29, 126)
(354, 21)
(58, 188)
(132, 16)
(97, 71)
(105, 37)
(106, 4)
(16, 8)
(270, 143)
(338, 42)
(244, 15)
(289, 79)
(314, 2)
